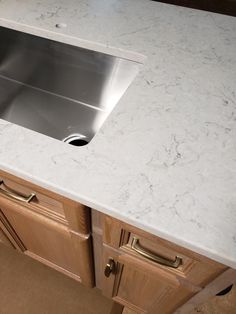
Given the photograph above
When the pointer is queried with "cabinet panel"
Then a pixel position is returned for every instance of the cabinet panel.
(143, 288)
(4, 239)
(152, 275)
(50, 241)
(44, 201)
(49, 204)
(10, 234)
(197, 269)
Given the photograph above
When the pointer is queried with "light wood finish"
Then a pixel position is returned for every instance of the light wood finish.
(52, 265)
(116, 308)
(82, 248)
(110, 284)
(50, 204)
(141, 285)
(52, 293)
(56, 231)
(220, 283)
(40, 235)
(129, 311)
(143, 288)
(46, 202)
(4, 239)
(196, 268)
(52, 228)
(50, 240)
(112, 230)
(98, 259)
(97, 247)
(78, 216)
(10, 233)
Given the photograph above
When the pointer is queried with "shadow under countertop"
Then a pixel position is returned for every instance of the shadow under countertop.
(227, 7)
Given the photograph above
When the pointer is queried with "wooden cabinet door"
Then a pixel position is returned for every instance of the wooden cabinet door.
(144, 288)
(7, 235)
(4, 239)
(50, 242)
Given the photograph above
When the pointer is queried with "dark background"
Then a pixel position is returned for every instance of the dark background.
(220, 6)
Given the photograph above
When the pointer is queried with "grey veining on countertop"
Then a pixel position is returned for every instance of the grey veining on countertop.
(165, 159)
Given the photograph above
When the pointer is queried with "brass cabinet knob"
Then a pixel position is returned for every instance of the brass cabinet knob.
(110, 267)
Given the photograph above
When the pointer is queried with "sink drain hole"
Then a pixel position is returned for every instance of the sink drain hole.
(76, 140)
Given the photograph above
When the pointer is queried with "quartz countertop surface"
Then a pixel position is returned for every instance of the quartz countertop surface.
(165, 159)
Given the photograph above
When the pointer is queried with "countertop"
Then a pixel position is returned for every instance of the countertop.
(165, 159)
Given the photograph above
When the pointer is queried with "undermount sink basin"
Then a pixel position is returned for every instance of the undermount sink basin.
(57, 89)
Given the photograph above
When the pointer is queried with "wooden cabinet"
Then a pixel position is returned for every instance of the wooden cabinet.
(143, 288)
(57, 237)
(4, 239)
(143, 276)
(8, 236)
(139, 271)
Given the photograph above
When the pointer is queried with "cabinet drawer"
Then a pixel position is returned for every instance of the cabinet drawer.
(142, 287)
(44, 201)
(197, 269)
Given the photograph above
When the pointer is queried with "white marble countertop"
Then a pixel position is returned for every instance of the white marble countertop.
(165, 159)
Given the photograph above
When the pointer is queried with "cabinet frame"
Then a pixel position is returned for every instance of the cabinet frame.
(73, 225)
(113, 237)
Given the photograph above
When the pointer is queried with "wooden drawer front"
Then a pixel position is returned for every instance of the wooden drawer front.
(195, 268)
(198, 271)
(50, 242)
(142, 287)
(43, 202)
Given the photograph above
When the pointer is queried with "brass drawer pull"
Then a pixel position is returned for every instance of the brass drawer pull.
(14, 196)
(152, 257)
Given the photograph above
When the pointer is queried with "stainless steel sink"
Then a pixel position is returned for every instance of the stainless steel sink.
(57, 89)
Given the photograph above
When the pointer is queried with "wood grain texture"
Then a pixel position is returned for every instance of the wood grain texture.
(142, 285)
(78, 216)
(116, 308)
(98, 259)
(51, 240)
(96, 225)
(50, 204)
(220, 283)
(198, 269)
(155, 293)
(51, 227)
(82, 248)
(4, 239)
(112, 230)
(109, 284)
(129, 311)
(142, 288)
(52, 265)
(45, 202)
(10, 233)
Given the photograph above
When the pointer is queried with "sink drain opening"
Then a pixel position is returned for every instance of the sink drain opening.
(76, 140)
